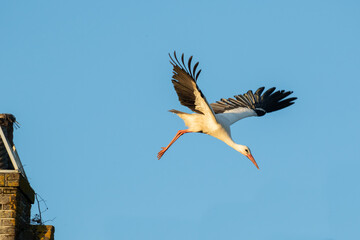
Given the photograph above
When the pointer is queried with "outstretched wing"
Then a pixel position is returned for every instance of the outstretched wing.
(184, 80)
(250, 104)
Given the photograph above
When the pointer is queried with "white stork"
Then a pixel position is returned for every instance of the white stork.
(215, 119)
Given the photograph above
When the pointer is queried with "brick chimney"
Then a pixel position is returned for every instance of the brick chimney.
(16, 194)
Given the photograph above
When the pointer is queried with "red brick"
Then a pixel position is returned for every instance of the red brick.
(7, 237)
(9, 206)
(12, 176)
(7, 230)
(5, 199)
(8, 222)
(9, 190)
(2, 179)
(7, 214)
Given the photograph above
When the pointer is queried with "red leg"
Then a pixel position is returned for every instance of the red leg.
(178, 134)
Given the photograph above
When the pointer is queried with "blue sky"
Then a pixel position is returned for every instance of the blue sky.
(89, 81)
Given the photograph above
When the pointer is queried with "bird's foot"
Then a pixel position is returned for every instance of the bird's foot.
(161, 153)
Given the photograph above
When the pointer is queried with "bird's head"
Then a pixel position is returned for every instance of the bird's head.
(246, 151)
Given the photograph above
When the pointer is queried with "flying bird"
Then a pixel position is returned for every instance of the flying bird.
(216, 118)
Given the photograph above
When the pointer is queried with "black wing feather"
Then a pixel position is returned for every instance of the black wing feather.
(270, 101)
(184, 81)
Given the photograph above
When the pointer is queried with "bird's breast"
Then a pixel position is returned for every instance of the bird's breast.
(220, 133)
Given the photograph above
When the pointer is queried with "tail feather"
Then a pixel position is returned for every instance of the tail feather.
(176, 111)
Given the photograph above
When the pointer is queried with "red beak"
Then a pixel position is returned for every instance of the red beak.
(253, 160)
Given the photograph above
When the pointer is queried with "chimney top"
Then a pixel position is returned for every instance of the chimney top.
(8, 117)
(7, 122)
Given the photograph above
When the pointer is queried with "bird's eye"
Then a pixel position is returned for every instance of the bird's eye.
(246, 150)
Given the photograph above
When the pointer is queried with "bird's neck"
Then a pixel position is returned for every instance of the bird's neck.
(238, 147)
(224, 136)
(231, 143)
